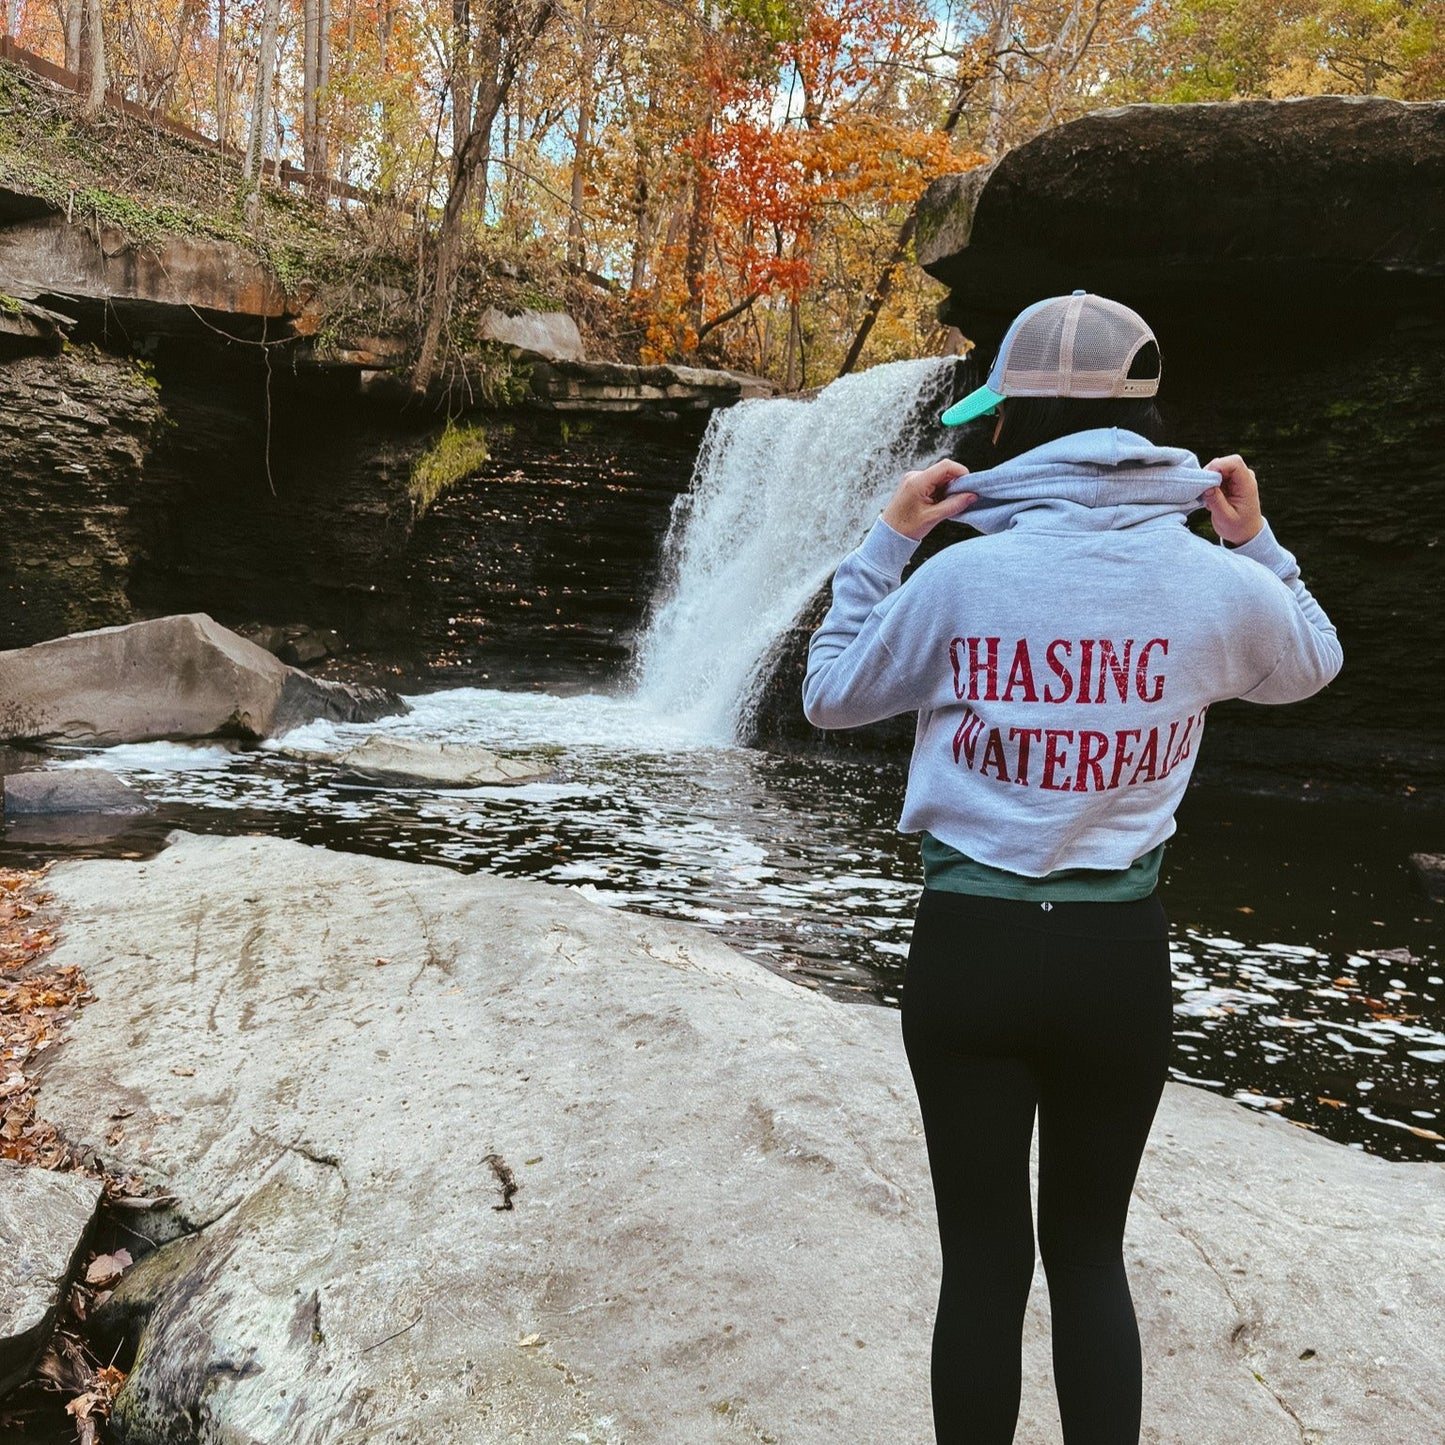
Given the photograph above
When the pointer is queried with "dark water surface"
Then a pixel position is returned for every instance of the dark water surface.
(1307, 965)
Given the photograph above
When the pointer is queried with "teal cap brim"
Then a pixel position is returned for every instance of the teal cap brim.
(975, 404)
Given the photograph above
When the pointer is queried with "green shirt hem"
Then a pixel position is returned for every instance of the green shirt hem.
(947, 869)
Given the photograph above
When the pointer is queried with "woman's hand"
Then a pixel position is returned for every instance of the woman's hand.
(1234, 504)
(919, 504)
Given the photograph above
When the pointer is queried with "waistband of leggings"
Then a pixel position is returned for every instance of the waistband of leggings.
(1137, 917)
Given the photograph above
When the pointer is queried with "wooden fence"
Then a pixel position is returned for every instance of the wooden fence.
(285, 173)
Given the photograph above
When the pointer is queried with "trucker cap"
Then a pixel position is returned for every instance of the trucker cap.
(1080, 346)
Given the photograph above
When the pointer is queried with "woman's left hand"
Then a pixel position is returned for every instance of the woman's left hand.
(919, 504)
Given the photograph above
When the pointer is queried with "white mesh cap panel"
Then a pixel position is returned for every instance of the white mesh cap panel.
(1079, 346)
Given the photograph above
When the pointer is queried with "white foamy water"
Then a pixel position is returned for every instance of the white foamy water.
(782, 490)
(497, 719)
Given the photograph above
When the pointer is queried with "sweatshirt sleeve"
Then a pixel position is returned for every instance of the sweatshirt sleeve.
(853, 676)
(1309, 655)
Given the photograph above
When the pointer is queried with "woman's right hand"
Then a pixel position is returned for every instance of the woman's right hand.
(1234, 504)
(920, 503)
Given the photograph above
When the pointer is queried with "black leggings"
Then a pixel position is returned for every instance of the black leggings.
(1007, 1007)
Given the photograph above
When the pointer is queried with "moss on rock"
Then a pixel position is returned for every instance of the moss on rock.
(458, 452)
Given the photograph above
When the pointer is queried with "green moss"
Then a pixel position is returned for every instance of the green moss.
(144, 373)
(531, 298)
(458, 452)
(501, 379)
(10, 303)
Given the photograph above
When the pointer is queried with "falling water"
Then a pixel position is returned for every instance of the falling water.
(781, 491)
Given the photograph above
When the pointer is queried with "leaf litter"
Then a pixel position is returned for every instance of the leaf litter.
(38, 1000)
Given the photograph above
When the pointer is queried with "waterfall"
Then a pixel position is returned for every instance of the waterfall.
(781, 491)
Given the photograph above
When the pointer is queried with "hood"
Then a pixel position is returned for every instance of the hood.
(1092, 481)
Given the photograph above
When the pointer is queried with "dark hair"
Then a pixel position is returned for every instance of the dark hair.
(1030, 421)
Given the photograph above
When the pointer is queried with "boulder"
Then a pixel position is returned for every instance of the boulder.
(296, 643)
(466, 1157)
(660, 393)
(551, 335)
(70, 790)
(1332, 198)
(1430, 874)
(445, 765)
(44, 1221)
(23, 325)
(173, 677)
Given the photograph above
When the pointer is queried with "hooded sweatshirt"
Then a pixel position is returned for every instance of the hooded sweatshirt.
(1061, 666)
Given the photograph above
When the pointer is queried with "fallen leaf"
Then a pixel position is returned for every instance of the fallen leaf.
(82, 1404)
(105, 1269)
(529, 1340)
(1425, 1133)
(183, 1071)
(381, 961)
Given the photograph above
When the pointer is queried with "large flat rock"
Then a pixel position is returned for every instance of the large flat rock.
(724, 1228)
(172, 677)
(44, 1220)
(406, 762)
(48, 792)
(45, 256)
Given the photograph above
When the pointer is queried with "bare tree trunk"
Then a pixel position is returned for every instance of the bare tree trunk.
(644, 221)
(74, 19)
(998, 81)
(881, 291)
(461, 77)
(643, 231)
(322, 159)
(315, 67)
(158, 98)
(223, 86)
(699, 224)
(498, 57)
(94, 38)
(261, 106)
(795, 346)
(576, 240)
(308, 83)
(7, 19)
(343, 170)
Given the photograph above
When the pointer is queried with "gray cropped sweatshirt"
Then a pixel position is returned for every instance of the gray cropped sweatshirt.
(1061, 666)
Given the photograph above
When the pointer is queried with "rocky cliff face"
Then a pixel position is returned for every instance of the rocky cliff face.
(74, 430)
(202, 484)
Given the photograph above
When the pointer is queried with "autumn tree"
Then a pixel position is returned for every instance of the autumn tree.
(495, 45)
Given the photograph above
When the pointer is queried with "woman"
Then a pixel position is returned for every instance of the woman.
(1061, 668)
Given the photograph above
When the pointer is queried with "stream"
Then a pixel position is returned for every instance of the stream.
(1307, 965)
